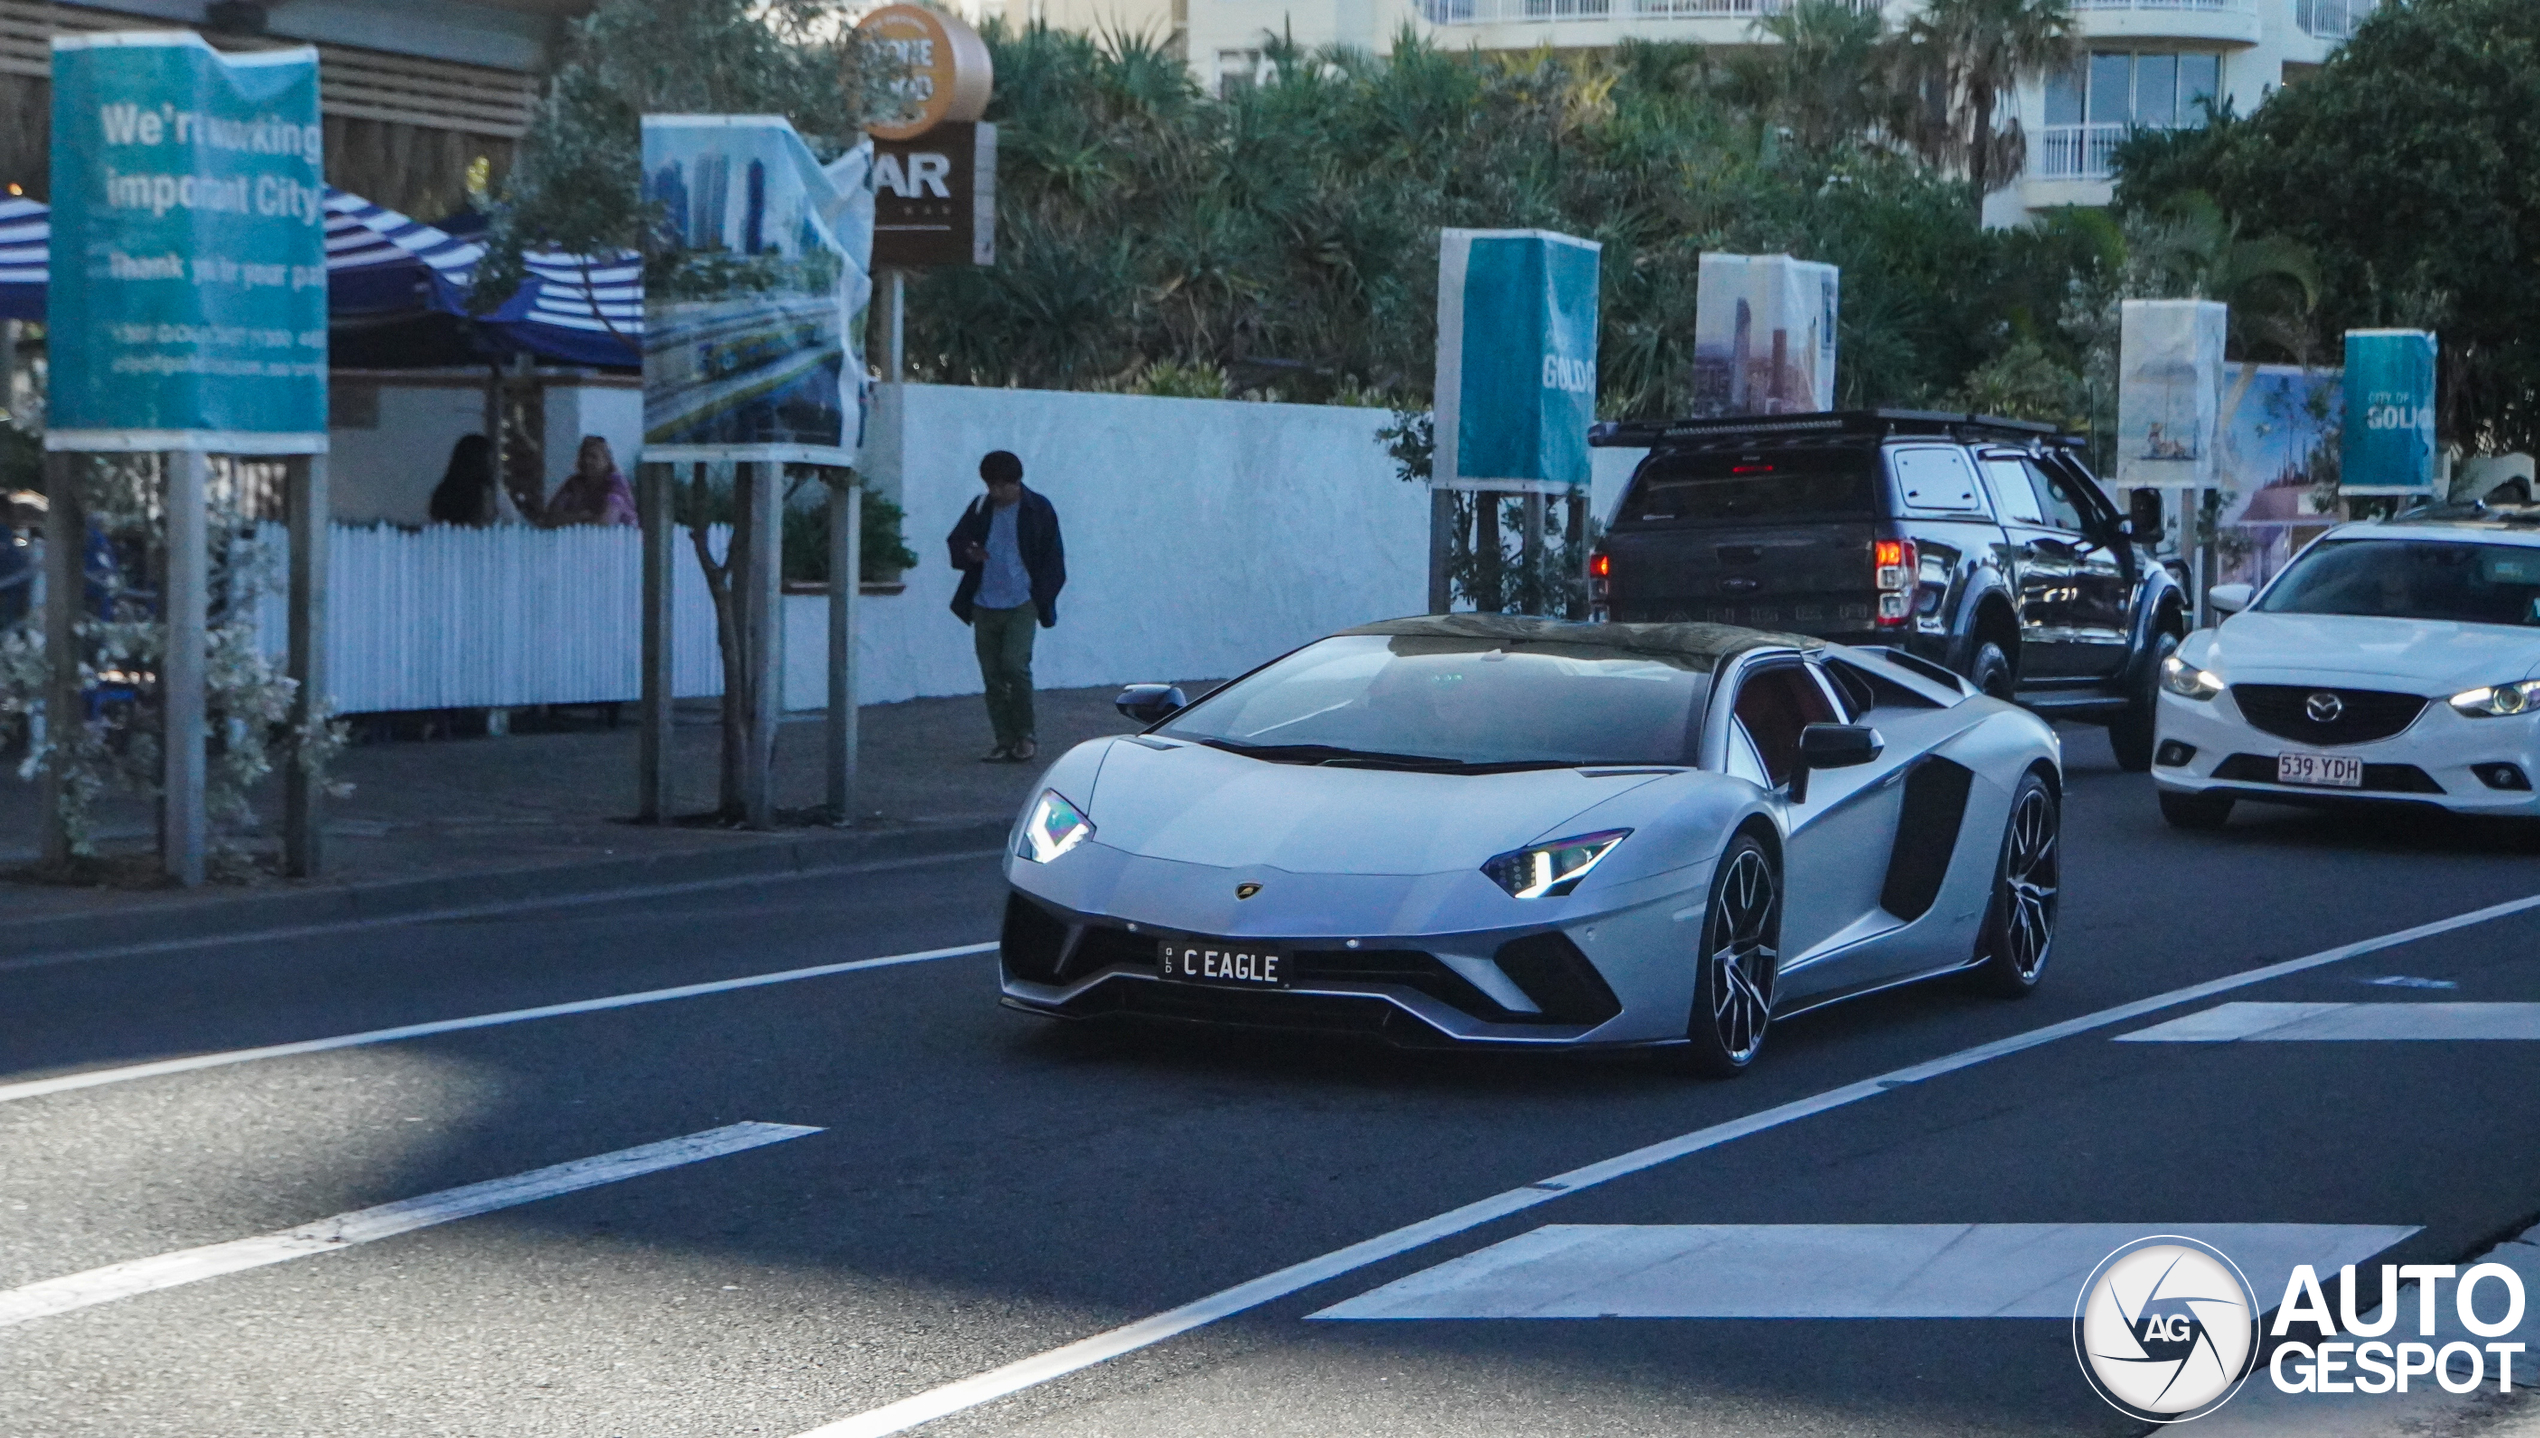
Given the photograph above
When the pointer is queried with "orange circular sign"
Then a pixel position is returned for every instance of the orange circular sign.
(947, 71)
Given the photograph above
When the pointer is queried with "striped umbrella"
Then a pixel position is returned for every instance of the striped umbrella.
(573, 308)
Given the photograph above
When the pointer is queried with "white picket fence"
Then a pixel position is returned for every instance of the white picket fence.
(450, 617)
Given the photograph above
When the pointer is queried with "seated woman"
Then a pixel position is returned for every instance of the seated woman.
(466, 494)
(595, 493)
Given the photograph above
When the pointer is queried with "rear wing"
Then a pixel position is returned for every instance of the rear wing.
(1875, 423)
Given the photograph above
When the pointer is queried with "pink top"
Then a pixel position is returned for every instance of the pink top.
(584, 501)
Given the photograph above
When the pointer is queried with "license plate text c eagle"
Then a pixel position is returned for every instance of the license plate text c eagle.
(1223, 964)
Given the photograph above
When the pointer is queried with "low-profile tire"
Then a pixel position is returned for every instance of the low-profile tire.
(2203, 812)
(1737, 963)
(2131, 733)
(2019, 924)
(1989, 669)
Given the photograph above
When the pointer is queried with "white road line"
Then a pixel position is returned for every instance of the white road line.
(1824, 1270)
(2319, 1023)
(167, 1270)
(1030, 1372)
(92, 1078)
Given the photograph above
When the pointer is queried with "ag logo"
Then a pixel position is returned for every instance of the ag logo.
(2166, 1329)
(1246, 891)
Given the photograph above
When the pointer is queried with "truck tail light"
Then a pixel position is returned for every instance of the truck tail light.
(1895, 566)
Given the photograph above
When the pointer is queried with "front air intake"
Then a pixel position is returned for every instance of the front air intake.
(1032, 942)
(1558, 978)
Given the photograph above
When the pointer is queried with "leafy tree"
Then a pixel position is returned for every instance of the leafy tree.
(1151, 236)
(1956, 65)
(2409, 169)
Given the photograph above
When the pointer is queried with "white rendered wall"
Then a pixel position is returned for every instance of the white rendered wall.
(1203, 536)
(387, 472)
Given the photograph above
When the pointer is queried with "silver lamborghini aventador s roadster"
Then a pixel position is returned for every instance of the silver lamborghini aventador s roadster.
(1481, 830)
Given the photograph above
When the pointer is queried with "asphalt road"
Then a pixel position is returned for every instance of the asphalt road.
(984, 1187)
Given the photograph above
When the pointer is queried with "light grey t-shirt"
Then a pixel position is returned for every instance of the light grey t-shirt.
(1004, 583)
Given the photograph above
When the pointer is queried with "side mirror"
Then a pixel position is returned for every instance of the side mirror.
(1151, 703)
(2143, 515)
(2229, 598)
(1832, 746)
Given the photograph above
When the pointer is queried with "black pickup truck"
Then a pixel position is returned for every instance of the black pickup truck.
(1976, 543)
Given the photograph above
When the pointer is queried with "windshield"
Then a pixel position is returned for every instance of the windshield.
(1457, 703)
(2413, 579)
(1793, 484)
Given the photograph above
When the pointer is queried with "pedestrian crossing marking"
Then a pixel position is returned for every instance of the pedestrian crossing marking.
(2318, 1023)
(1826, 1270)
(368, 1225)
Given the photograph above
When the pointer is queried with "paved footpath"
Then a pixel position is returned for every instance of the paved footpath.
(766, 1158)
(447, 822)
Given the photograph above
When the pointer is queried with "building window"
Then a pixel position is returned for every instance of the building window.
(2092, 105)
(1239, 70)
(2331, 19)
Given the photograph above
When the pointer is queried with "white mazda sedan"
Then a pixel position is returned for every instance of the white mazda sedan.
(2392, 662)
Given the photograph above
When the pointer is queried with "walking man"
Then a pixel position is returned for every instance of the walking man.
(1012, 567)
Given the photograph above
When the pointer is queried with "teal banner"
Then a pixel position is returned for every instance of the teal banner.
(1516, 387)
(187, 303)
(2389, 442)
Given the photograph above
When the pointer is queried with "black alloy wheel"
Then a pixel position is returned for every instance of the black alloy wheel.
(1741, 954)
(2019, 925)
(2131, 734)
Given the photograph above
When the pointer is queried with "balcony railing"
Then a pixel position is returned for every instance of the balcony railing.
(2331, 19)
(2077, 152)
(2216, 6)
(1495, 12)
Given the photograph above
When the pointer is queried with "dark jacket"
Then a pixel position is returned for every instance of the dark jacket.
(1035, 533)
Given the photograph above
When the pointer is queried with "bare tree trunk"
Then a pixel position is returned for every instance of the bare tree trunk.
(731, 640)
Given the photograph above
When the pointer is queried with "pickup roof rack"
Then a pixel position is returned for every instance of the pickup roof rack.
(1650, 433)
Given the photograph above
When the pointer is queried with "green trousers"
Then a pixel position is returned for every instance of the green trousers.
(1003, 638)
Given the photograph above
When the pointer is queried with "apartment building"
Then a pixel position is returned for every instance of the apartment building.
(2148, 62)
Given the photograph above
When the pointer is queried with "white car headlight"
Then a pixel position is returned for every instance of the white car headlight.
(2498, 701)
(1052, 828)
(2187, 681)
(1548, 871)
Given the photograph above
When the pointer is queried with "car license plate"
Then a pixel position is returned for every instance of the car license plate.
(2333, 771)
(1222, 961)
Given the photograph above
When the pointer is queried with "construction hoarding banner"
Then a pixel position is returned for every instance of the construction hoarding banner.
(2169, 392)
(757, 281)
(186, 294)
(1516, 380)
(2389, 441)
(1764, 335)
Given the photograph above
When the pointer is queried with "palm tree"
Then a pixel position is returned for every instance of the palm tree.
(1954, 67)
(1822, 77)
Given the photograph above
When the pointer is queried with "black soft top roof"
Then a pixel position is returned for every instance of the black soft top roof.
(1707, 642)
